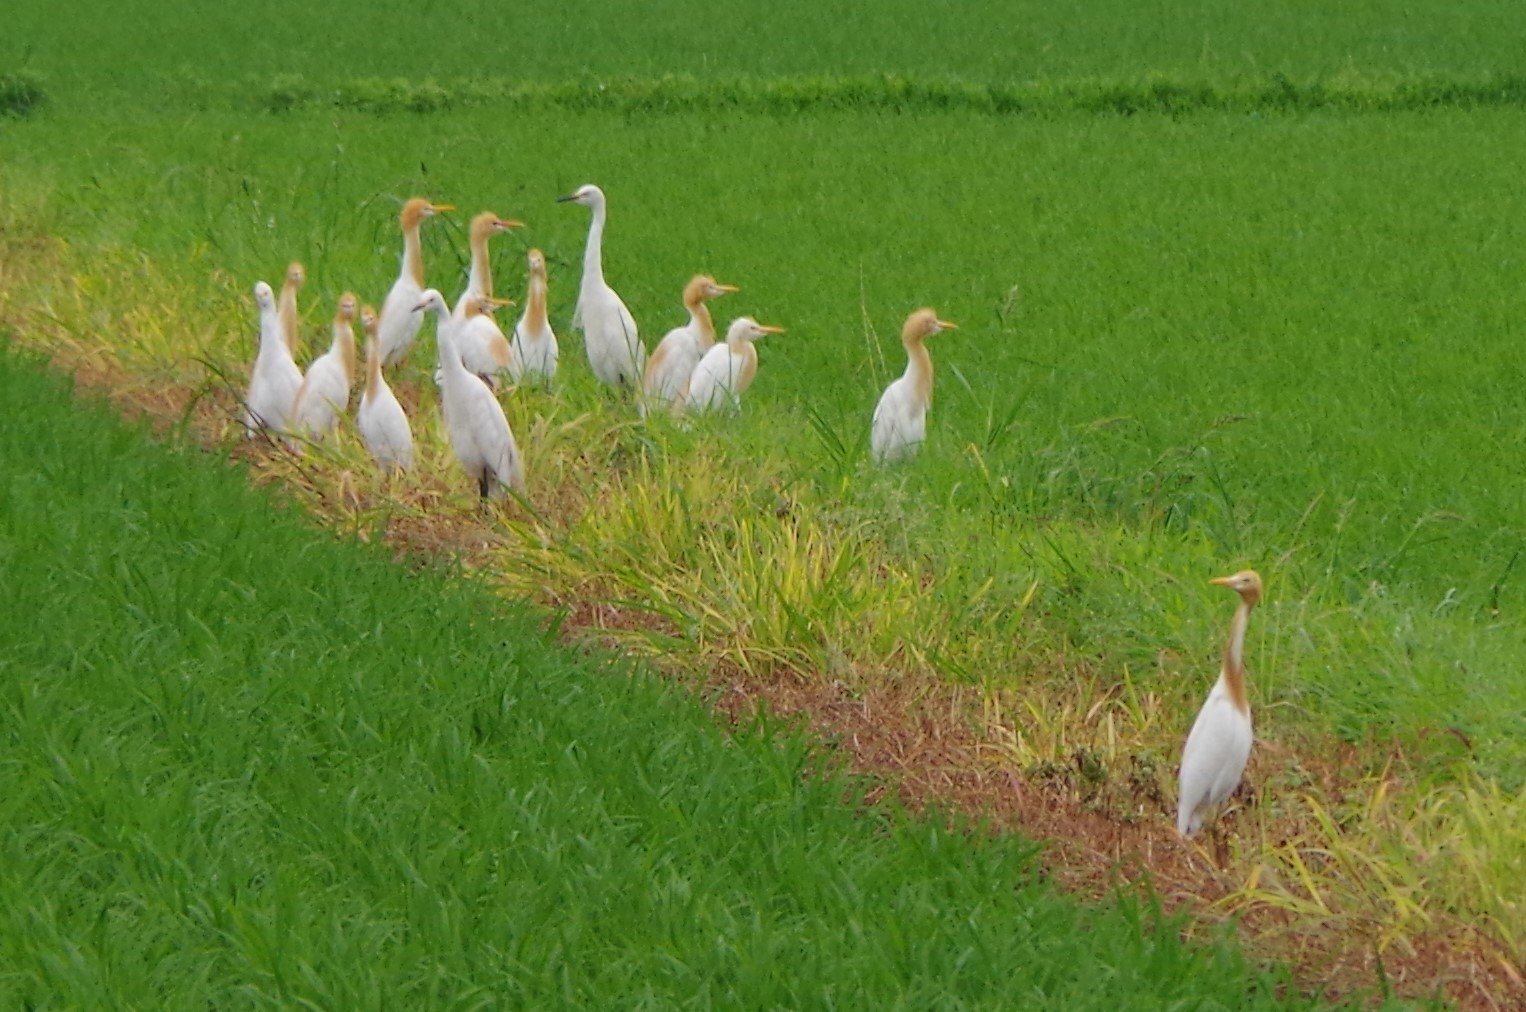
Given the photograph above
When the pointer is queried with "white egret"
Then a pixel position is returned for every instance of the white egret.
(275, 378)
(615, 352)
(676, 355)
(900, 417)
(727, 369)
(479, 432)
(535, 350)
(399, 324)
(324, 395)
(380, 418)
(1219, 744)
(479, 278)
(296, 276)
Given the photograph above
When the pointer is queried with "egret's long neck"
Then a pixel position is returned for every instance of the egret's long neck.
(593, 255)
(373, 368)
(535, 304)
(919, 369)
(413, 254)
(272, 333)
(704, 326)
(450, 359)
(480, 280)
(288, 317)
(1234, 658)
(749, 367)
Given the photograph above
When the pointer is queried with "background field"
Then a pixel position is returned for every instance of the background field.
(1229, 334)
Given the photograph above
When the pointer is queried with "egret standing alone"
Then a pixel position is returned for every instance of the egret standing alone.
(1218, 746)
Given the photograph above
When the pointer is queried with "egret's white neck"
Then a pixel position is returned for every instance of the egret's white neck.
(1233, 674)
(593, 255)
(413, 254)
(272, 333)
(450, 358)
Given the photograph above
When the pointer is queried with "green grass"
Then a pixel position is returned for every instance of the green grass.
(1269, 319)
(251, 765)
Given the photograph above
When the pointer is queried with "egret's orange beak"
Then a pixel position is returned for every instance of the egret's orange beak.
(729, 289)
(770, 330)
(508, 223)
(440, 208)
(945, 325)
(1222, 581)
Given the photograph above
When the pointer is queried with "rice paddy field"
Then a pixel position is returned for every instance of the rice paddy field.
(1235, 288)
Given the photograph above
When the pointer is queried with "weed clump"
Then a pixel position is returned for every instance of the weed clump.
(21, 93)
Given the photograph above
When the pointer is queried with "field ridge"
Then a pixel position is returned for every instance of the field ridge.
(1153, 93)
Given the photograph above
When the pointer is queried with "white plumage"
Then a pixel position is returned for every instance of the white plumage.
(274, 380)
(900, 418)
(479, 432)
(1219, 745)
(380, 418)
(680, 350)
(324, 395)
(615, 352)
(399, 324)
(479, 340)
(727, 370)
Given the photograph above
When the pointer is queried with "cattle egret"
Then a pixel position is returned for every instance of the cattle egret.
(296, 275)
(479, 279)
(900, 418)
(479, 340)
(615, 352)
(727, 369)
(274, 381)
(1219, 743)
(399, 324)
(479, 432)
(676, 355)
(380, 418)
(535, 351)
(324, 395)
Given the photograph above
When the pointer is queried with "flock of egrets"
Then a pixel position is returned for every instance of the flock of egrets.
(688, 371)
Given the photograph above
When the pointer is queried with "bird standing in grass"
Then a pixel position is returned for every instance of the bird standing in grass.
(324, 395)
(676, 355)
(900, 418)
(1219, 744)
(615, 352)
(479, 340)
(380, 418)
(296, 276)
(727, 370)
(479, 432)
(275, 378)
(399, 324)
(535, 351)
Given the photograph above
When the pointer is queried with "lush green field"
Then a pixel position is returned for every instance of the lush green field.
(1252, 332)
(234, 778)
